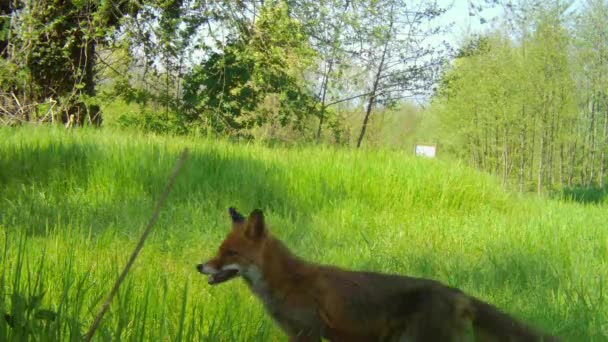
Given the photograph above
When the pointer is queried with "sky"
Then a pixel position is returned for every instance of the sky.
(459, 15)
(465, 24)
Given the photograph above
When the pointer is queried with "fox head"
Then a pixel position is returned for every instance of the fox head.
(241, 251)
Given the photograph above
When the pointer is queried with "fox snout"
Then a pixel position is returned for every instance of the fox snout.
(206, 269)
(217, 276)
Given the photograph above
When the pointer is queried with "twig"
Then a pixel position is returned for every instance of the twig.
(140, 245)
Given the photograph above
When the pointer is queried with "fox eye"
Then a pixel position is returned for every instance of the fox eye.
(230, 253)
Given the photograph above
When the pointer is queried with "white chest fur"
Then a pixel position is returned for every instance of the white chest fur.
(257, 283)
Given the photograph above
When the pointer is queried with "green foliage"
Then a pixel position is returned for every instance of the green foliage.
(509, 106)
(151, 122)
(530, 103)
(222, 89)
(256, 78)
(591, 50)
(53, 45)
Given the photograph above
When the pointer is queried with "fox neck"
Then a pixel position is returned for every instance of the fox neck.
(278, 272)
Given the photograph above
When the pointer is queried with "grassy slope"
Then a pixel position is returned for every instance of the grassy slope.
(84, 197)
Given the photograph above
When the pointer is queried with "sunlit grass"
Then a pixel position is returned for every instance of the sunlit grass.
(72, 206)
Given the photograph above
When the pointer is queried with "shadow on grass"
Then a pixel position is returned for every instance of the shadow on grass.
(584, 195)
(51, 186)
(34, 164)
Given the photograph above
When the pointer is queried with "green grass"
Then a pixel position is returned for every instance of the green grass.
(73, 205)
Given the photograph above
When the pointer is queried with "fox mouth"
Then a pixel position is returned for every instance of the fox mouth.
(215, 276)
(221, 276)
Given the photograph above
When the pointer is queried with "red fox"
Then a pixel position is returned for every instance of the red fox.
(310, 301)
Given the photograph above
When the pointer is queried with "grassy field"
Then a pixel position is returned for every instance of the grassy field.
(73, 205)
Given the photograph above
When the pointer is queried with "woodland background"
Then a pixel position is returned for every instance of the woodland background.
(526, 100)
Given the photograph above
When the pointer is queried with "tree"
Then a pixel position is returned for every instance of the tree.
(259, 65)
(53, 44)
(390, 48)
(508, 104)
(592, 53)
(5, 16)
(327, 23)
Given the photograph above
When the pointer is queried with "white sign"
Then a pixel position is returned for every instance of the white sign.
(426, 150)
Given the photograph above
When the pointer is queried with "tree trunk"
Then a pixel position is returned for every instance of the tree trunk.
(323, 94)
(573, 133)
(368, 111)
(522, 164)
(473, 153)
(532, 150)
(543, 142)
(5, 20)
(561, 164)
(583, 157)
(496, 153)
(487, 163)
(83, 56)
(478, 148)
(604, 148)
(551, 148)
(541, 163)
(372, 96)
(572, 162)
(592, 131)
(93, 111)
(505, 159)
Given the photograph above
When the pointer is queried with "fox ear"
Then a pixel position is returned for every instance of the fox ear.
(256, 227)
(235, 215)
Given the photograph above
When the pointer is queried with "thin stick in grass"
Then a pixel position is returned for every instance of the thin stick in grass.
(140, 245)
